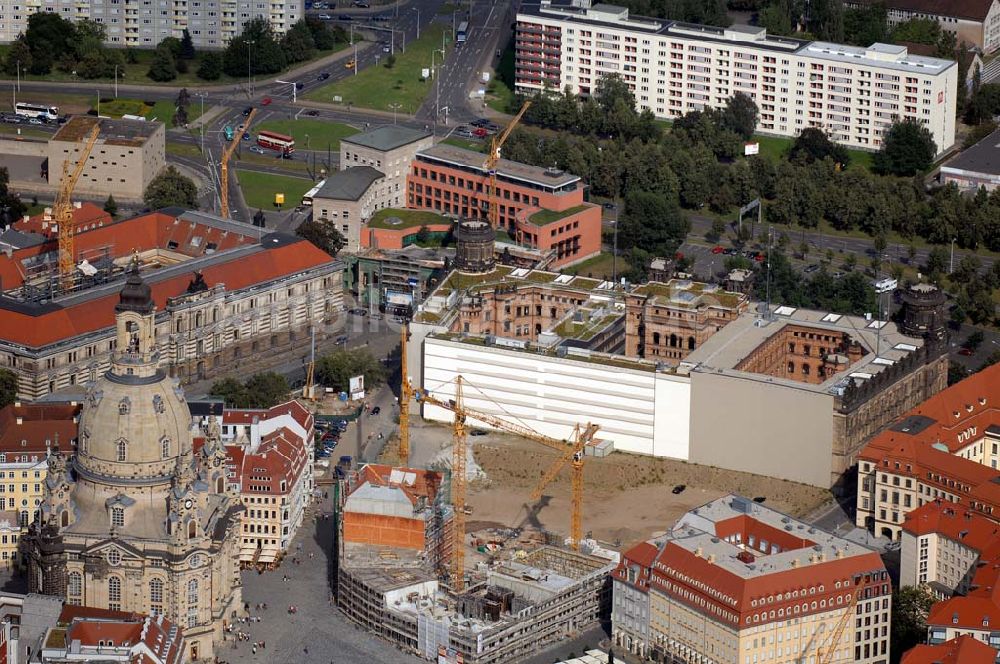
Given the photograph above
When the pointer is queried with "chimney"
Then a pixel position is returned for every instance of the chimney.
(840, 554)
(711, 558)
(698, 552)
(78, 204)
(795, 562)
(26, 217)
(20, 420)
(822, 557)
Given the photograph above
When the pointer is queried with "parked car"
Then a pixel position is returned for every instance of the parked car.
(35, 121)
(256, 149)
(678, 489)
(760, 499)
(718, 249)
(965, 351)
(811, 268)
(478, 432)
(345, 17)
(491, 127)
(376, 410)
(246, 136)
(464, 130)
(247, 111)
(759, 257)
(479, 132)
(386, 49)
(480, 122)
(342, 339)
(361, 4)
(325, 17)
(313, 113)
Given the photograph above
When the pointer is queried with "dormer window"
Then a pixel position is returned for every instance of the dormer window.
(165, 445)
(122, 449)
(118, 517)
(123, 406)
(158, 405)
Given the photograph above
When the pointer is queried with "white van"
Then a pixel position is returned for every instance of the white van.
(886, 285)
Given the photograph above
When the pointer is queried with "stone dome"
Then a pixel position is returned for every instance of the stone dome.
(133, 430)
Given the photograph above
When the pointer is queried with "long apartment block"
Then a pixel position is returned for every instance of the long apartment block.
(852, 93)
(144, 23)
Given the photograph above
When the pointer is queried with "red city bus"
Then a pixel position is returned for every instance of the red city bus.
(273, 141)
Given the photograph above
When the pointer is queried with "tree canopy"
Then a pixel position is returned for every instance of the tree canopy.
(907, 149)
(50, 40)
(261, 390)
(8, 387)
(813, 144)
(323, 234)
(337, 368)
(171, 188)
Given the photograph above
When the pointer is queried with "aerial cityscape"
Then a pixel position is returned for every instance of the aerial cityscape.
(497, 332)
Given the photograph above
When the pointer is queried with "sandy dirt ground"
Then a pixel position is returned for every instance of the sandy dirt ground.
(627, 498)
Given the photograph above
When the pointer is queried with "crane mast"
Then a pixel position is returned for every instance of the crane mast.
(63, 209)
(226, 156)
(491, 165)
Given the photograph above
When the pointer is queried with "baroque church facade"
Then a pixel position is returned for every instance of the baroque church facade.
(134, 520)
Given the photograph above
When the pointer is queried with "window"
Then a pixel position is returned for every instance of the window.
(114, 593)
(165, 444)
(192, 602)
(118, 516)
(156, 597)
(121, 447)
(74, 588)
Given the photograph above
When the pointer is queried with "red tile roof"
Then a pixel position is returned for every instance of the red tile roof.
(684, 575)
(960, 415)
(951, 520)
(417, 482)
(85, 215)
(32, 428)
(89, 316)
(281, 457)
(961, 650)
(153, 640)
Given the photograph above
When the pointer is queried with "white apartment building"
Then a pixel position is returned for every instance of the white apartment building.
(850, 92)
(144, 23)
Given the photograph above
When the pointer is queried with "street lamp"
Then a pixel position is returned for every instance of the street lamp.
(951, 263)
(437, 83)
(250, 44)
(394, 106)
(202, 116)
(417, 9)
(116, 81)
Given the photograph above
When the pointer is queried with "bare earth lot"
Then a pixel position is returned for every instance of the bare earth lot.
(627, 497)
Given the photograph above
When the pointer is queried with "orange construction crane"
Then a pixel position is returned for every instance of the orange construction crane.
(572, 451)
(405, 394)
(62, 210)
(226, 155)
(491, 165)
(826, 655)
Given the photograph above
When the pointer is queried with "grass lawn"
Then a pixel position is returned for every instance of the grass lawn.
(320, 133)
(544, 217)
(776, 148)
(27, 131)
(448, 8)
(600, 266)
(135, 73)
(271, 161)
(163, 110)
(377, 87)
(476, 146)
(500, 90)
(409, 218)
(259, 189)
(183, 150)
(67, 103)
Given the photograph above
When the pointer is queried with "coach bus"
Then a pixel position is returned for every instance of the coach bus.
(274, 141)
(463, 33)
(47, 113)
(307, 198)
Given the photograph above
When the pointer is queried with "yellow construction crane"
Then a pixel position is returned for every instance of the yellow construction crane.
(826, 655)
(491, 165)
(226, 155)
(571, 451)
(63, 210)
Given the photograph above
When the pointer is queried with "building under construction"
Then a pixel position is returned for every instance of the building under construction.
(511, 608)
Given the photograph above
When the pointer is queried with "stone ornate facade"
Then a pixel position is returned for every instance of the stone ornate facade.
(134, 520)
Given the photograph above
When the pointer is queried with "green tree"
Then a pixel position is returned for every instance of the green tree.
(267, 55)
(866, 25)
(11, 207)
(850, 261)
(50, 37)
(918, 30)
(910, 608)
(803, 249)
(652, 222)
(163, 67)
(266, 389)
(908, 149)
(8, 387)
(171, 188)
(187, 51)
(298, 43)
(18, 58)
(977, 301)
(337, 368)
(974, 340)
(776, 20)
(390, 61)
(323, 234)
(231, 391)
(937, 262)
(210, 68)
(717, 230)
(812, 144)
(323, 37)
(740, 116)
(423, 235)
(110, 206)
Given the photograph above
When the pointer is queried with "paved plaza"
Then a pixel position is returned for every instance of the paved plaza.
(317, 633)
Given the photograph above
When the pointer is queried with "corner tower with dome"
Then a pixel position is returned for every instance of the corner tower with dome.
(133, 520)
